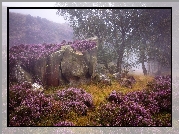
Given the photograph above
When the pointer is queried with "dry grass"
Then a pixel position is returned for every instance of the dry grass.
(100, 93)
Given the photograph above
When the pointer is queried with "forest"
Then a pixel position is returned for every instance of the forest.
(90, 81)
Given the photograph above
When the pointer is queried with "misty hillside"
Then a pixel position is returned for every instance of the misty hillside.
(26, 29)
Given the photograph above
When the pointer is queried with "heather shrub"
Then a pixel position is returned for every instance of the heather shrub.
(146, 99)
(124, 114)
(78, 107)
(17, 94)
(116, 97)
(25, 53)
(133, 114)
(148, 107)
(77, 100)
(27, 107)
(107, 114)
(139, 108)
(33, 51)
(160, 88)
(59, 111)
(156, 98)
(83, 45)
(26, 56)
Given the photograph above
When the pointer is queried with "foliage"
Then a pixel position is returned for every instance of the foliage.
(86, 105)
(127, 113)
(76, 99)
(111, 26)
(83, 45)
(125, 31)
(162, 92)
(138, 108)
(27, 107)
(25, 53)
(28, 56)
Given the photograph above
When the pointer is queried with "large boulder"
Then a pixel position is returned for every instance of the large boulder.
(53, 72)
(73, 67)
(19, 75)
(54, 65)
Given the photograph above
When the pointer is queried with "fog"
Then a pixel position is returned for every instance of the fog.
(49, 14)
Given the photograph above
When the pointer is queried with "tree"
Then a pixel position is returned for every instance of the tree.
(152, 36)
(112, 26)
(146, 32)
(162, 37)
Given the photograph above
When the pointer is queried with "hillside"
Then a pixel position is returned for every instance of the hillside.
(26, 29)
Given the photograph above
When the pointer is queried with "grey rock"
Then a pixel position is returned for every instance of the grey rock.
(65, 66)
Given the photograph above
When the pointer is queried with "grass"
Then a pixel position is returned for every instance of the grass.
(99, 93)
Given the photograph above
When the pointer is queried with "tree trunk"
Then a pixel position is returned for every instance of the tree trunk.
(144, 69)
(143, 60)
(106, 65)
(119, 62)
(120, 56)
(120, 47)
(120, 53)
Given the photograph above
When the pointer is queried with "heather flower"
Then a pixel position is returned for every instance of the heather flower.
(116, 97)
(138, 108)
(124, 114)
(83, 45)
(76, 99)
(27, 107)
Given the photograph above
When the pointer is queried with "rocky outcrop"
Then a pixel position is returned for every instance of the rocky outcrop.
(67, 65)
(19, 75)
(73, 67)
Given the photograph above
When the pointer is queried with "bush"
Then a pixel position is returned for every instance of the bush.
(27, 107)
(124, 114)
(76, 99)
(83, 45)
(138, 108)
(160, 88)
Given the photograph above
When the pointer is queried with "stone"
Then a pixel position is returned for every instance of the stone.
(117, 76)
(19, 75)
(127, 81)
(112, 67)
(53, 69)
(37, 87)
(64, 66)
(73, 67)
(104, 79)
